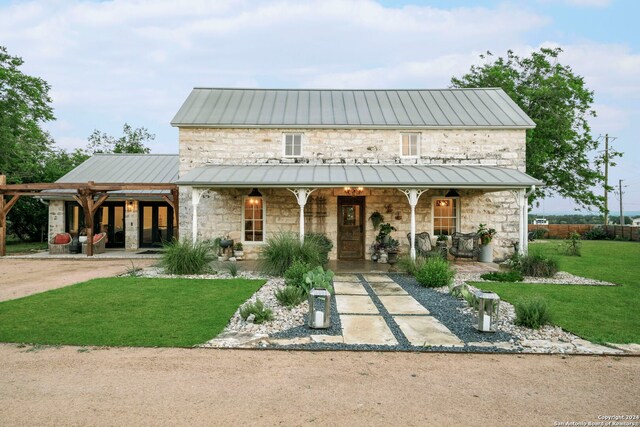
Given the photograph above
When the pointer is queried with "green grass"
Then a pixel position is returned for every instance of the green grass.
(18, 247)
(126, 311)
(597, 313)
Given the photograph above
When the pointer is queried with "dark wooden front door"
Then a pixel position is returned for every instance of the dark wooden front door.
(350, 227)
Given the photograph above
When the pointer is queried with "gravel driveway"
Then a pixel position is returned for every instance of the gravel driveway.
(144, 386)
(22, 277)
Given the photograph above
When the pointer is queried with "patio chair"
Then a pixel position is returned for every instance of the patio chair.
(59, 244)
(464, 245)
(424, 247)
(99, 242)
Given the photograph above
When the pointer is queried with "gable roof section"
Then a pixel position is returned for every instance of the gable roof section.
(126, 168)
(369, 109)
(391, 176)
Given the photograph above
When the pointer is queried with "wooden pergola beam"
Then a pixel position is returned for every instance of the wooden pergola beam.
(5, 207)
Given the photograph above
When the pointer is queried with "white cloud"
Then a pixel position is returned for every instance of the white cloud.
(588, 3)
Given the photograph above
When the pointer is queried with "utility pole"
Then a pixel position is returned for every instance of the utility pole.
(606, 179)
(620, 190)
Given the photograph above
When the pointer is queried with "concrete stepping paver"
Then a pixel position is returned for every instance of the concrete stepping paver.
(387, 288)
(366, 330)
(426, 330)
(402, 304)
(346, 278)
(349, 288)
(371, 278)
(355, 304)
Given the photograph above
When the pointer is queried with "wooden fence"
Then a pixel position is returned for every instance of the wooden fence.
(562, 231)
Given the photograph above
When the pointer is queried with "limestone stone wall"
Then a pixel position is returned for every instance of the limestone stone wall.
(200, 146)
(131, 226)
(220, 210)
(56, 217)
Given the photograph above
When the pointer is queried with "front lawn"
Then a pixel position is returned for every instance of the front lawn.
(597, 313)
(126, 311)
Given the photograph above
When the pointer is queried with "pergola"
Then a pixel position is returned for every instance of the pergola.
(90, 195)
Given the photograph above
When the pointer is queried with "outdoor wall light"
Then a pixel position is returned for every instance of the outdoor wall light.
(442, 202)
(350, 191)
(130, 205)
(254, 197)
(452, 193)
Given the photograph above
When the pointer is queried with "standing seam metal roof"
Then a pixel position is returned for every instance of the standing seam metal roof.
(357, 175)
(331, 108)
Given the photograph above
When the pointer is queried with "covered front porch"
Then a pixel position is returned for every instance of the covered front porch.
(250, 203)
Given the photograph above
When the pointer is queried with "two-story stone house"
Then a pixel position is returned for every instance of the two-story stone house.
(255, 162)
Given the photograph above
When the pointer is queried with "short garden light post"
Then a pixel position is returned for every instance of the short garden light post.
(488, 303)
(319, 308)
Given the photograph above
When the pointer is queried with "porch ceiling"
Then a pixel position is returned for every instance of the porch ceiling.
(389, 176)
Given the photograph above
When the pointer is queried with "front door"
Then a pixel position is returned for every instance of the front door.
(350, 227)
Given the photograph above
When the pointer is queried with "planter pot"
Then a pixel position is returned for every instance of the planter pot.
(392, 257)
(383, 257)
(238, 254)
(486, 253)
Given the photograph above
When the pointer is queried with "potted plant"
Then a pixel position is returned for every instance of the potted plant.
(376, 218)
(238, 251)
(485, 235)
(392, 247)
(383, 240)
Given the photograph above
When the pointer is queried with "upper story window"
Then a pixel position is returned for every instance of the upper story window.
(293, 145)
(410, 145)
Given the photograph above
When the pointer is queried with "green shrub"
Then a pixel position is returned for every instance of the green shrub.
(596, 233)
(410, 266)
(538, 265)
(290, 296)
(540, 233)
(319, 279)
(435, 272)
(184, 257)
(324, 243)
(281, 250)
(573, 244)
(232, 268)
(532, 313)
(511, 276)
(257, 308)
(294, 275)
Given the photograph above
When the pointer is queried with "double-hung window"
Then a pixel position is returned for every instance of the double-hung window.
(293, 145)
(410, 145)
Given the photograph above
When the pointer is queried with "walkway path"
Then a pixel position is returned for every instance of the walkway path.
(368, 307)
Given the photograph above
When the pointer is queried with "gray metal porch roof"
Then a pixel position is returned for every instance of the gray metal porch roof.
(391, 176)
(364, 109)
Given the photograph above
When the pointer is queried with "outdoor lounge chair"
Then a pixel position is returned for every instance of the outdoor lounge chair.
(60, 244)
(424, 247)
(464, 245)
(99, 242)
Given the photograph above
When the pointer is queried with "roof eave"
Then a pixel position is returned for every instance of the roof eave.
(377, 127)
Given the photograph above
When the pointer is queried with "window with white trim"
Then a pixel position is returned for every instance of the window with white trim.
(293, 145)
(253, 218)
(446, 214)
(410, 145)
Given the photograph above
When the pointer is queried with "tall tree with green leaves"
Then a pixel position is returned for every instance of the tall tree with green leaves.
(560, 104)
(132, 141)
(24, 107)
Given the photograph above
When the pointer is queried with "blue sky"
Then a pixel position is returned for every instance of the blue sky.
(136, 61)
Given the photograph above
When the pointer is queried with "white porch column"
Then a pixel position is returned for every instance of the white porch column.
(196, 194)
(523, 235)
(413, 195)
(302, 194)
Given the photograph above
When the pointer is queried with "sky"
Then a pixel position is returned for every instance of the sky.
(112, 62)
